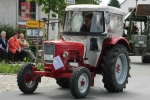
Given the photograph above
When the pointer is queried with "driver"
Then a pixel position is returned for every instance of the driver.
(87, 23)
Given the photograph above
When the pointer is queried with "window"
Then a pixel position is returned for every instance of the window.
(84, 21)
(116, 23)
(26, 11)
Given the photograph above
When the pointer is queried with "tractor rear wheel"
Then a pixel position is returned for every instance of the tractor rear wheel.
(63, 82)
(145, 59)
(116, 68)
(80, 82)
(27, 82)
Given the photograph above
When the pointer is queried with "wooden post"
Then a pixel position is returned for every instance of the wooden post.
(37, 46)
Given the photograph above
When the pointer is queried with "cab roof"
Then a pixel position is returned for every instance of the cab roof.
(140, 13)
(90, 7)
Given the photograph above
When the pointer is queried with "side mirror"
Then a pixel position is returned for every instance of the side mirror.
(107, 19)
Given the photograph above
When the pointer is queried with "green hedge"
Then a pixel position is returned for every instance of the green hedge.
(9, 29)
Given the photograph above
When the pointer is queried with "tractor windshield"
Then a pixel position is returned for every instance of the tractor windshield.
(84, 22)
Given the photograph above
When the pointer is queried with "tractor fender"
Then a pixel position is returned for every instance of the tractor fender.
(107, 43)
(110, 41)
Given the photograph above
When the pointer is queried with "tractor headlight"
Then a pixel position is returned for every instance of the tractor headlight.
(65, 54)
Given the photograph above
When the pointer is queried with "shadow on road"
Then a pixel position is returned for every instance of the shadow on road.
(32, 94)
(65, 94)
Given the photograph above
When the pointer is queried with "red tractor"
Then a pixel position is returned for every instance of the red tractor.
(91, 44)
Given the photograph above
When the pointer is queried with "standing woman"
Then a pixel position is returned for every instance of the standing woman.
(14, 46)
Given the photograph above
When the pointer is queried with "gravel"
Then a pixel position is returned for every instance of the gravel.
(9, 82)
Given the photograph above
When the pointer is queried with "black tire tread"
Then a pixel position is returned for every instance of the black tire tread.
(20, 80)
(74, 80)
(109, 61)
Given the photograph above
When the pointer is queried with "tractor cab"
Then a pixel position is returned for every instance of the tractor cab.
(91, 25)
(93, 20)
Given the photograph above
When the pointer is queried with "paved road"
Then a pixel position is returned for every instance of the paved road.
(138, 88)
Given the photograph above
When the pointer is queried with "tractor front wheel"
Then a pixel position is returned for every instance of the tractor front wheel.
(116, 68)
(27, 82)
(80, 82)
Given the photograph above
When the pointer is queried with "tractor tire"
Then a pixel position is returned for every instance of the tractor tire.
(116, 66)
(80, 82)
(63, 82)
(24, 81)
(145, 59)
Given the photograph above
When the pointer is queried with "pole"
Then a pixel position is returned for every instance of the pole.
(48, 27)
(136, 2)
(141, 27)
(37, 46)
(44, 32)
(48, 22)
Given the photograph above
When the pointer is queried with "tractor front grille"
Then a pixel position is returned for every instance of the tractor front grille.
(141, 41)
(48, 52)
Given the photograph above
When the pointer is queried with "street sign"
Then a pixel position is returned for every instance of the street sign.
(70, 1)
(34, 24)
(34, 32)
(34, 41)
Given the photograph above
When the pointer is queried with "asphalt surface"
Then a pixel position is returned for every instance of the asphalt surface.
(138, 88)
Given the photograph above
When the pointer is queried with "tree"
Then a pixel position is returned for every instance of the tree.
(56, 6)
(114, 3)
(97, 2)
(88, 1)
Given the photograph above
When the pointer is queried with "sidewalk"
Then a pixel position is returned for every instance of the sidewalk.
(9, 82)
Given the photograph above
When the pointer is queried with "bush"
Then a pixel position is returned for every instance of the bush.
(9, 29)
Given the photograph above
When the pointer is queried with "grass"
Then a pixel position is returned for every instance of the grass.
(9, 69)
(13, 69)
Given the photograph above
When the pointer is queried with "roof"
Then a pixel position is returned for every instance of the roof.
(123, 2)
(140, 13)
(135, 18)
(89, 7)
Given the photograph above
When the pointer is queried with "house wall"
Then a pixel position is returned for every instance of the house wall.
(127, 4)
(8, 12)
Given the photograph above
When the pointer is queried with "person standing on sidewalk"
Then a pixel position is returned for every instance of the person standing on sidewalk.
(25, 47)
(4, 48)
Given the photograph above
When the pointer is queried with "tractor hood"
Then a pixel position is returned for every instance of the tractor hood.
(60, 48)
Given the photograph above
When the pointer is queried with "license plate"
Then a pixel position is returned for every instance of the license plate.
(48, 57)
(141, 42)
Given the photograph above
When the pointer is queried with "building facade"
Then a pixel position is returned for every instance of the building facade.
(16, 12)
(128, 5)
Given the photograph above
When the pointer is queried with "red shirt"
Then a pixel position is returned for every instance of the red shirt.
(13, 44)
